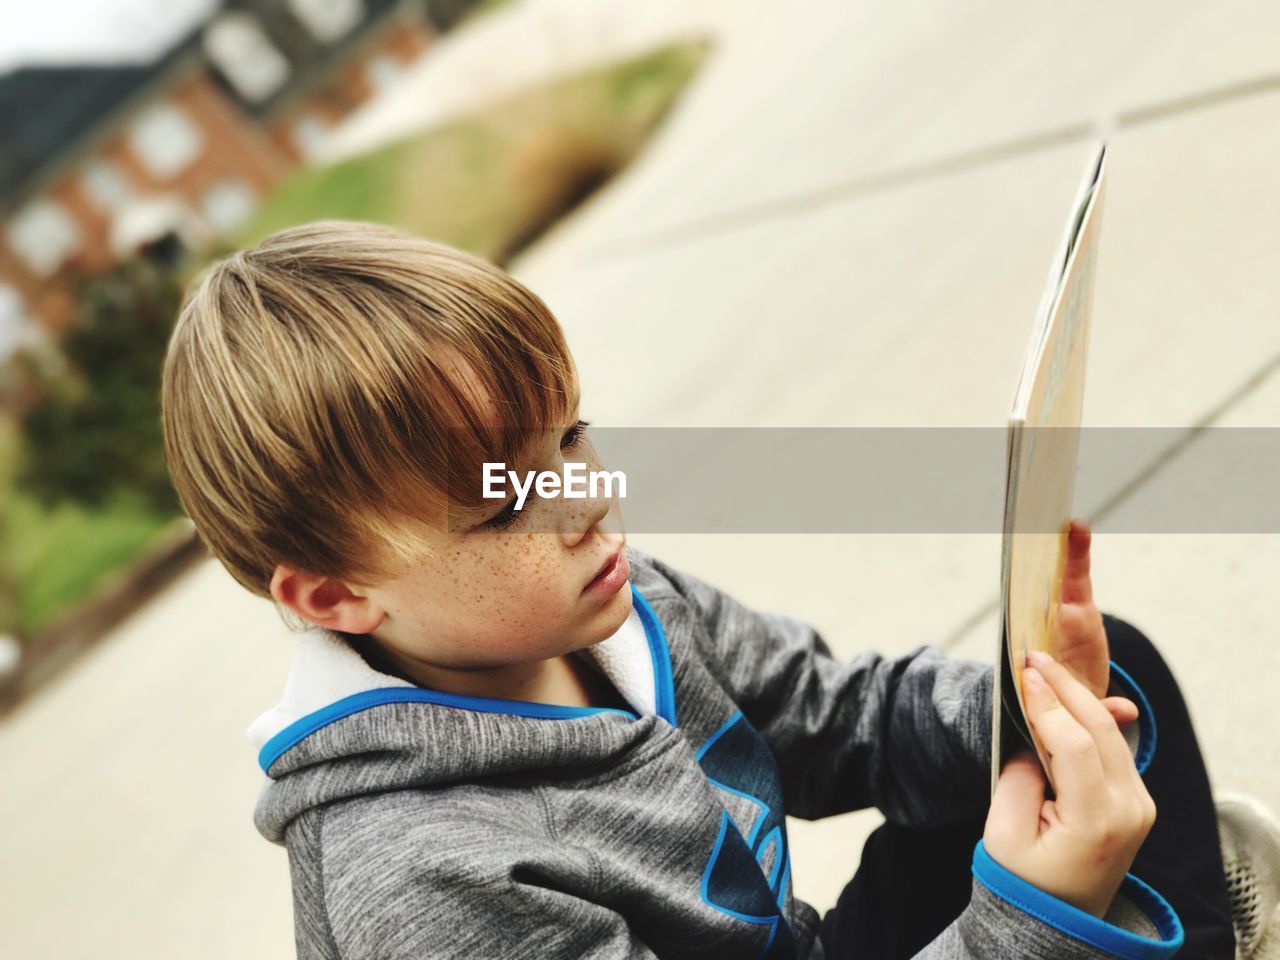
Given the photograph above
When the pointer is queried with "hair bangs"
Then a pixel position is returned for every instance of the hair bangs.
(342, 383)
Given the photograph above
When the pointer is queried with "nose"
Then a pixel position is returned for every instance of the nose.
(578, 517)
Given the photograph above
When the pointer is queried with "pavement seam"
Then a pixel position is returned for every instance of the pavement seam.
(845, 191)
(1203, 423)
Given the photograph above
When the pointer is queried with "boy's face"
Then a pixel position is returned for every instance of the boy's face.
(482, 596)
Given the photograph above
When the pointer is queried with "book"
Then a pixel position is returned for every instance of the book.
(1041, 451)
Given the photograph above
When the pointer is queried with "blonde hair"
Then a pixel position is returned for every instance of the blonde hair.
(335, 384)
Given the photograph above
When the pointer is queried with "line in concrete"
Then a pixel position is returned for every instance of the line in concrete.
(801, 202)
(1212, 416)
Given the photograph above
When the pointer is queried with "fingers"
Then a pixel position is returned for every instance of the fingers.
(1072, 750)
(1077, 586)
(1080, 644)
(1122, 710)
(1121, 807)
(1013, 820)
(1088, 712)
(1081, 621)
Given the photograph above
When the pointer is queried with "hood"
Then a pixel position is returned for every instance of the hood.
(344, 729)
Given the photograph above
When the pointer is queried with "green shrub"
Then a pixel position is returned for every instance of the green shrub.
(94, 434)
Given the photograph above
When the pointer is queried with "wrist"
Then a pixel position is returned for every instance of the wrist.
(1095, 902)
(1090, 894)
(1139, 925)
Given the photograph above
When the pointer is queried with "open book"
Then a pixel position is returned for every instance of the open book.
(1040, 466)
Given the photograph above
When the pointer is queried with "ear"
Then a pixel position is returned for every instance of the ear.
(325, 601)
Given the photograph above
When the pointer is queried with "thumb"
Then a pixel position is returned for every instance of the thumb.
(1122, 709)
(1013, 821)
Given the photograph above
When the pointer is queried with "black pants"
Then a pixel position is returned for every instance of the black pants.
(913, 883)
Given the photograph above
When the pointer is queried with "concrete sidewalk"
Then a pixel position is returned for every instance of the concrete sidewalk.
(846, 222)
(856, 206)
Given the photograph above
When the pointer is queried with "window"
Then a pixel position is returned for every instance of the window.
(105, 185)
(309, 133)
(164, 140)
(328, 20)
(16, 328)
(43, 235)
(383, 70)
(246, 57)
(228, 205)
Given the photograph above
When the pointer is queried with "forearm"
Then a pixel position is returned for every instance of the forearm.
(910, 735)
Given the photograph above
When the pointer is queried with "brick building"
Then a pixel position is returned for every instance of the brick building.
(98, 160)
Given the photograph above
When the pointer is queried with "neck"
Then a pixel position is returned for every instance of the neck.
(562, 681)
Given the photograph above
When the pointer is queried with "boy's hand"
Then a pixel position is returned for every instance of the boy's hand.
(1080, 640)
(1079, 845)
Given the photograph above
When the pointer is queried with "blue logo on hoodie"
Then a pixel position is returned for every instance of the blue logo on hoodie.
(750, 864)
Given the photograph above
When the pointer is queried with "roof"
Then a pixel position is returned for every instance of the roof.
(46, 111)
(43, 109)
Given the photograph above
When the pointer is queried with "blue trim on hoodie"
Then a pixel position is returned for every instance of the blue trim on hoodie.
(1146, 717)
(661, 653)
(774, 836)
(772, 921)
(1083, 926)
(762, 809)
(299, 730)
(717, 735)
(664, 697)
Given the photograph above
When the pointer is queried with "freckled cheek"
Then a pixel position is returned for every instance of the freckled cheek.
(546, 572)
(529, 553)
(516, 584)
(543, 582)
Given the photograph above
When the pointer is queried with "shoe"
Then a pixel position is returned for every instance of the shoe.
(1251, 857)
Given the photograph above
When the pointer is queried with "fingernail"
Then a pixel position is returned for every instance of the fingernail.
(1038, 658)
(1032, 677)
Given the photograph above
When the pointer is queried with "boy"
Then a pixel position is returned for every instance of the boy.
(508, 733)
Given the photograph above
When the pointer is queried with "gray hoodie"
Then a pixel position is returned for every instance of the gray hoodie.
(424, 824)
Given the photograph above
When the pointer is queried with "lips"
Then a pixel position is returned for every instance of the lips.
(607, 566)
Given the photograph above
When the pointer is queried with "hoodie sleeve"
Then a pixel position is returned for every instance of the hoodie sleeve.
(446, 888)
(1007, 917)
(910, 735)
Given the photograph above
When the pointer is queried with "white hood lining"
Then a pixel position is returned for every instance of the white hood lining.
(326, 669)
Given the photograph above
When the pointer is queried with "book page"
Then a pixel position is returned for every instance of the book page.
(1042, 458)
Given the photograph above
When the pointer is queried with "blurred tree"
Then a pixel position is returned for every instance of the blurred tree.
(444, 14)
(94, 433)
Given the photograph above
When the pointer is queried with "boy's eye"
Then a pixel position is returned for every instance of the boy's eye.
(508, 515)
(575, 434)
(504, 517)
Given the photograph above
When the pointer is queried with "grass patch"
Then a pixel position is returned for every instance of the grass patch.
(51, 560)
(59, 558)
(490, 183)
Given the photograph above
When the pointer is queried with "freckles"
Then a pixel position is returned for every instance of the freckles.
(451, 568)
(543, 547)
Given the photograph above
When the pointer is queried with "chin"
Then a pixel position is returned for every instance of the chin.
(612, 615)
(620, 605)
